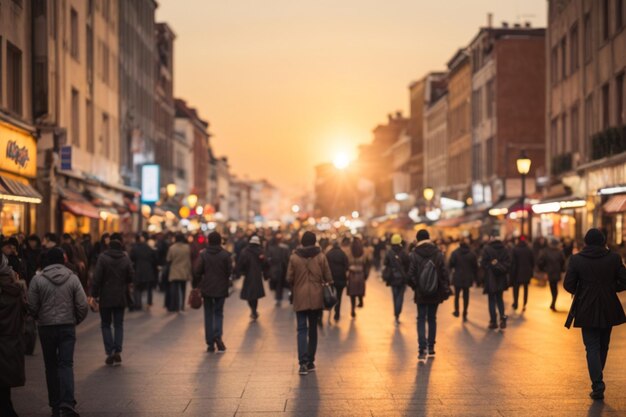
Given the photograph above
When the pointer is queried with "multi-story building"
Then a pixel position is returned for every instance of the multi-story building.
(459, 147)
(585, 133)
(223, 188)
(415, 130)
(137, 53)
(18, 146)
(436, 134)
(508, 110)
(164, 111)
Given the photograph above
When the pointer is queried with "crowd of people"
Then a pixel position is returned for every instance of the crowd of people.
(54, 282)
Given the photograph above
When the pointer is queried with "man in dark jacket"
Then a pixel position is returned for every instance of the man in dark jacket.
(252, 264)
(278, 259)
(145, 263)
(522, 268)
(426, 251)
(395, 274)
(12, 312)
(464, 268)
(339, 265)
(212, 275)
(496, 262)
(57, 300)
(552, 262)
(592, 275)
(111, 281)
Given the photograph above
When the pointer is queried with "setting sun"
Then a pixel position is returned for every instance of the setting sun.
(341, 160)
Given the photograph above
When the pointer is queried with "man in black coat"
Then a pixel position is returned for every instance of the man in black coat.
(592, 275)
(496, 262)
(212, 275)
(522, 268)
(427, 304)
(339, 265)
(464, 267)
(395, 274)
(552, 262)
(278, 259)
(145, 263)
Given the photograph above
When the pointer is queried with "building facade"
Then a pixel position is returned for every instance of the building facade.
(164, 110)
(436, 134)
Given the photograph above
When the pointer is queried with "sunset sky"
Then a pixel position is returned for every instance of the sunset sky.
(288, 84)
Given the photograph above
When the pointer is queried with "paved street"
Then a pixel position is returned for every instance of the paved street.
(366, 367)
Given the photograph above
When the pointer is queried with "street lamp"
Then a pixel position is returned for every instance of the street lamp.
(171, 190)
(429, 193)
(523, 167)
(192, 199)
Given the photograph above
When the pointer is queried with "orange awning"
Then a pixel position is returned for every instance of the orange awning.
(616, 204)
(81, 208)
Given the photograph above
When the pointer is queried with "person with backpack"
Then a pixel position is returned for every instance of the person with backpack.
(428, 277)
(464, 268)
(396, 267)
(212, 275)
(496, 263)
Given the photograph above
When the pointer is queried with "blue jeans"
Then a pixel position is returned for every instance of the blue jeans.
(112, 344)
(213, 319)
(57, 346)
(307, 335)
(398, 299)
(426, 312)
(597, 345)
(495, 299)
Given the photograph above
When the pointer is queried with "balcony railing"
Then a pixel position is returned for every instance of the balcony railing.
(561, 163)
(608, 143)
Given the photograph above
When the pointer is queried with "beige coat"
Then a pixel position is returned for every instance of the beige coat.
(308, 269)
(179, 256)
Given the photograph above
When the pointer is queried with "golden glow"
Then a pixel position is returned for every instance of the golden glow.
(429, 193)
(184, 212)
(146, 210)
(523, 164)
(171, 190)
(341, 161)
(192, 199)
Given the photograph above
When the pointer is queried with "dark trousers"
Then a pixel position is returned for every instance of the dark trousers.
(6, 406)
(213, 319)
(496, 300)
(457, 294)
(279, 289)
(597, 346)
(307, 335)
(338, 305)
(254, 305)
(516, 288)
(57, 345)
(353, 304)
(554, 290)
(138, 295)
(112, 340)
(426, 312)
(177, 295)
(398, 298)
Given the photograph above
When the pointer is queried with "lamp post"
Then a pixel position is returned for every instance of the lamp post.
(523, 167)
(429, 194)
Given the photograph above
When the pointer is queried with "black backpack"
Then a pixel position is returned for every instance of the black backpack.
(428, 278)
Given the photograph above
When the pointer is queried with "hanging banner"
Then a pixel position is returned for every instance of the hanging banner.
(150, 180)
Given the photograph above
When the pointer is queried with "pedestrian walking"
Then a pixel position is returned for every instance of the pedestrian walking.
(552, 262)
(179, 258)
(278, 259)
(112, 278)
(58, 302)
(428, 276)
(522, 268)
(145, 264)
(592, 276)
(395, 273)
(339, 266)
(308, 272)
(253, 266)
(356, 274)
(464, 269)
(496, 262)
(32, 254)
(12, 315)
(212, 275)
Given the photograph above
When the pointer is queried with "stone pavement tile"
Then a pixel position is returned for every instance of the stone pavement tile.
(218, 391)
(213, 405)
(322, 406)
(459, 412)
(268, 392)
(162, 405)
(262, 405)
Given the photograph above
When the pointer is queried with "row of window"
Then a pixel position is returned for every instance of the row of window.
(105, 132)
(483, 103)
(483, 165)
(104, 54)
(13, 77)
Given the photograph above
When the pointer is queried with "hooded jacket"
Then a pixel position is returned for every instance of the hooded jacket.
(426, 250)
(12, 311)
(339, 265)
(113, 273)
(464, 264)
(398, 261)
(308, 270)
(212, 272)
(592, 274)
(496, 261)
(253, 265)
(56, 297)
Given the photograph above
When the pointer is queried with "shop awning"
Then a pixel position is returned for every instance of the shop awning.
(556, 204)
(504, 206)
(81, 208)
(105, 197)
(616, 204)
(12, 190)
(460, 220)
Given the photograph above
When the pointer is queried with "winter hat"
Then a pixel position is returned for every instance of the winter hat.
(55, 255)
(595, 237)
(215, 239)
(308, 239)
(422, 235)
(396, 239)
(254, 240)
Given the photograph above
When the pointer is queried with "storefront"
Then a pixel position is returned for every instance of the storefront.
(18, 169)
(560, 217)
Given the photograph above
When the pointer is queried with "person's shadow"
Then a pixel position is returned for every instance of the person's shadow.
(598, 408)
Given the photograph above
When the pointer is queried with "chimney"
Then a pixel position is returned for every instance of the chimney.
(517, 26)
(399, 114)
(527, 25)
(489, 20)
(505, 24)
(390, 117)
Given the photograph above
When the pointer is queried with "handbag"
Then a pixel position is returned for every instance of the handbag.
(195, 299)
(330, 296)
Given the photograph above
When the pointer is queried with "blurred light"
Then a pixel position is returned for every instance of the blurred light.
(429, 193)
(192, 199)
(341, 161)
(402, 196)
(146, 210)
(612, 190)
(199, 210)
(355, 214)
(523, 164)
(295, 208)
(170, 189)
(342, 219)
(498, 211)
(184, 212)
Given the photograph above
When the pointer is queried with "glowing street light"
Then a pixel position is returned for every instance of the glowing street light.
(192, 199)
(295, 209)
(523, 167)
(170, 189)
(429, 193)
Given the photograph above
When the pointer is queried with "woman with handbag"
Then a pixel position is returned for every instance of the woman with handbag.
(356, 274)
(307, 274)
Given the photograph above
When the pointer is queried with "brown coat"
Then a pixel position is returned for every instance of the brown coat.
(179, 256)
(308, 269)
